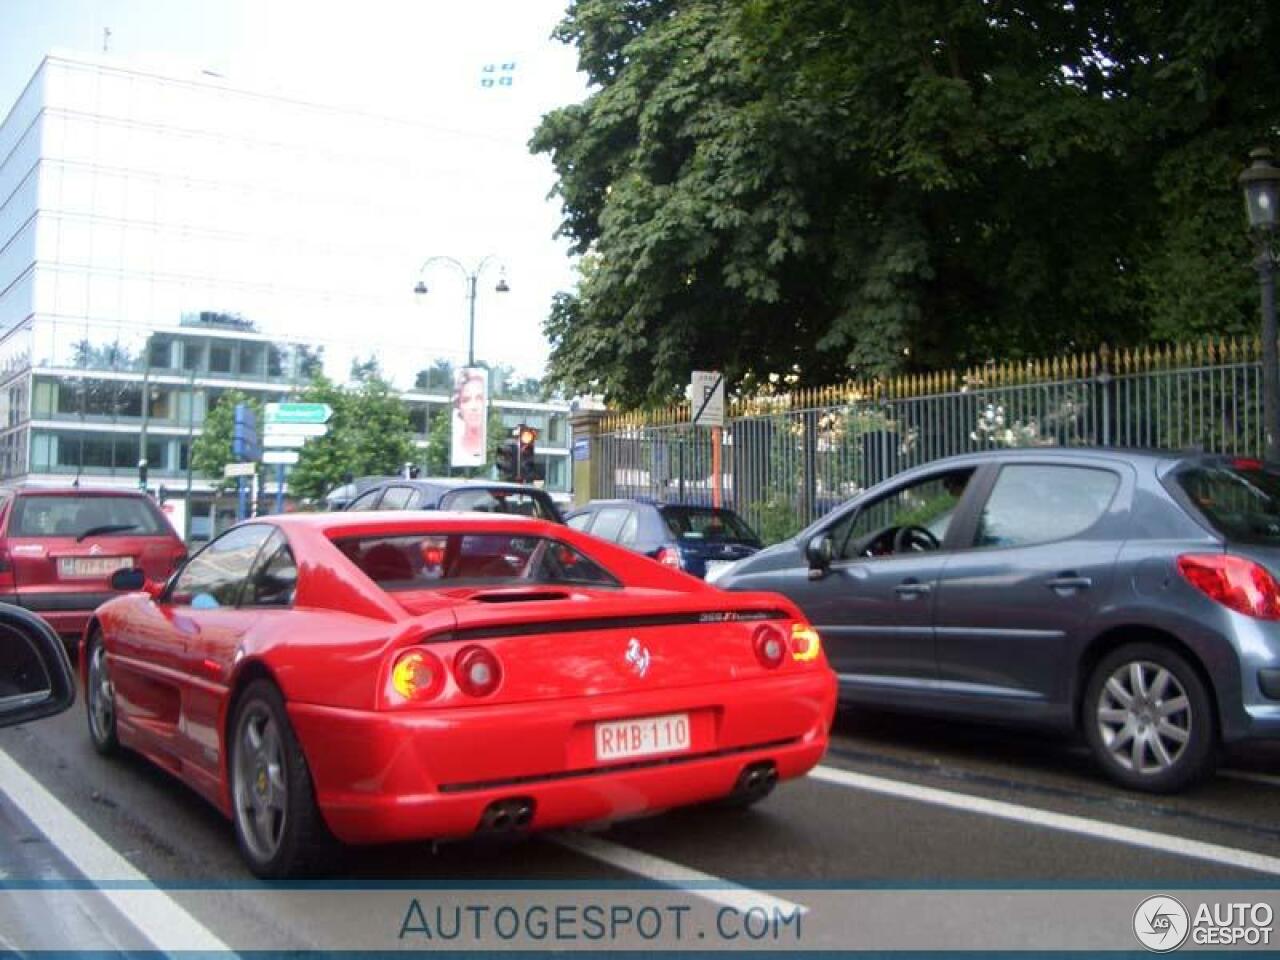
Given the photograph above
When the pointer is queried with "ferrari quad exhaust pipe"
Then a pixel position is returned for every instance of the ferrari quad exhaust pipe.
(506, 816)
(757, 780)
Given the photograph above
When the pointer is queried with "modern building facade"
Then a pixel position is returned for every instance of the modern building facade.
(165, 239)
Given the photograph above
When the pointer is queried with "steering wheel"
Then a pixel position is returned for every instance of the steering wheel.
(912, 537)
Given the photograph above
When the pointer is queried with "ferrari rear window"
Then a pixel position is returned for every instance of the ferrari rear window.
(426, 561)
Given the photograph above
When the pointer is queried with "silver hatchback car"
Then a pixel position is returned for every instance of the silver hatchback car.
(1129, 596)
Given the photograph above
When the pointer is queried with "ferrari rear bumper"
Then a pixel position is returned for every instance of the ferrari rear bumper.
(432, 774)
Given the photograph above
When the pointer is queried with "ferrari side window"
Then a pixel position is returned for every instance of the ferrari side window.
(215, 575)
(275, 576)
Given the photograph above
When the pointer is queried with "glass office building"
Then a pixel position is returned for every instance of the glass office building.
(166, 239)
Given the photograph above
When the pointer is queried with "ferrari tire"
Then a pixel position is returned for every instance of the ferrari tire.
(279, 828)
(100, 697)
(1149, 720)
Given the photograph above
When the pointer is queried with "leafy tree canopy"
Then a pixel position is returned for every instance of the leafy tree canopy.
(369, 434)
(212, 449)
(866, 188)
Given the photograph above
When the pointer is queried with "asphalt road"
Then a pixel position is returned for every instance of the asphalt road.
(898, 801)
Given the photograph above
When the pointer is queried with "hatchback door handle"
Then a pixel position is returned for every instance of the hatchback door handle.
(1069, 582)
(910, 588)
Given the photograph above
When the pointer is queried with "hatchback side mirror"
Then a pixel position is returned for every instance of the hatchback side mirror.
(35, 672)
(818, 552)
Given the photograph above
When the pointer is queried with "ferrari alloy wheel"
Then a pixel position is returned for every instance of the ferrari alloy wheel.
(100, 698)
(278, 825)
(1148, 719)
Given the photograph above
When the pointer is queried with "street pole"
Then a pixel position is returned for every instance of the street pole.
(471, 327)
(471, 277)
(146, 411)
(1266, 267)
(191, 429)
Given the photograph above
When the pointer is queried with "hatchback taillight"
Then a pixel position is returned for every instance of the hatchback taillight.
(477, 671)
(770, 644)
(670, 557)
(1234, 582)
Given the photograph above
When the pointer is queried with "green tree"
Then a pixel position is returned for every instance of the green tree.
(369, 435)
(862, 188)
(437, 378)
(212, 449)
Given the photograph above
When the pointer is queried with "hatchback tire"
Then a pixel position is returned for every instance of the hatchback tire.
(1149, 720)
(100, 697)
(279, 828)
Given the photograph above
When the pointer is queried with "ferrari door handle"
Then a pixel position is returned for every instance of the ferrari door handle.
(910, 588)
(1069, 582)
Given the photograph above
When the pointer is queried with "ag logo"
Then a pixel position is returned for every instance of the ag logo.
(1161, 923)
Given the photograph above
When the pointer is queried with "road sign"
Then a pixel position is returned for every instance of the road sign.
(706, 395)
(277, 440)
(297, 413)
(293, 430)
(239, 470)
(280, 456)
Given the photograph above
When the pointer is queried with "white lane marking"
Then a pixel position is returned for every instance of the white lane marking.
(1249, 777)
(704, 885)
(1097, 829)
(155, 914)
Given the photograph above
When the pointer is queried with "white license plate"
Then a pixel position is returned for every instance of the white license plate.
(718, 564)
(92, 566)
(619, 739)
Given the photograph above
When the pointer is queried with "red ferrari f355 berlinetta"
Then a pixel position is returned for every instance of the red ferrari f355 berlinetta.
(371, 677)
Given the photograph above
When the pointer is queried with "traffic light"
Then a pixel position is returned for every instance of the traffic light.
(528, 438)
(508, 457)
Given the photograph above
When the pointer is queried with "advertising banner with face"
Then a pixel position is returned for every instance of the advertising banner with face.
(469, 446)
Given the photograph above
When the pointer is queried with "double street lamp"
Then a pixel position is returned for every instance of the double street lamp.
(471, 276)
(1261, 184)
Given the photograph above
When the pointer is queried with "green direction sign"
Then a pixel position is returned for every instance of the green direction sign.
(298, 412)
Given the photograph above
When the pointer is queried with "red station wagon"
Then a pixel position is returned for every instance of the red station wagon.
(59, 547)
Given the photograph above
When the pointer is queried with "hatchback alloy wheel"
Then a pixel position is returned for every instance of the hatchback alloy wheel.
(1144, 717)
(1148, 717)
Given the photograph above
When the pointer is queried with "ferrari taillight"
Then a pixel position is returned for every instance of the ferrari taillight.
(805, 642)
(770, 644)
(417, 675)
(477, 671)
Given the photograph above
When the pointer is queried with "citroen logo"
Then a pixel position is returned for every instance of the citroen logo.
(638, 657)
(95, 550)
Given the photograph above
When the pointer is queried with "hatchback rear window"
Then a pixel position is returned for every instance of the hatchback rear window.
(421, 561)
(1240, 499)
(501, 501)
(71, 516)
(706, 523)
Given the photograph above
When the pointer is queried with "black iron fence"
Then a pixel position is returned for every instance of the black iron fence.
(789, 457)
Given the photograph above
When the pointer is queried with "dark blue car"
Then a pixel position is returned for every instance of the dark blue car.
(694, 539)
(1129, 596)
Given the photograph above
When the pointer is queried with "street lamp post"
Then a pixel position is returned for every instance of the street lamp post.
(471, 277)
(1261, 184)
